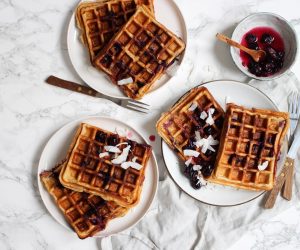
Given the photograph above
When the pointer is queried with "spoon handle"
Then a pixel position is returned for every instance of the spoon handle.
(227, 40)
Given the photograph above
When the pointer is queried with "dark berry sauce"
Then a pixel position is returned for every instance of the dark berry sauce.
(269, 40)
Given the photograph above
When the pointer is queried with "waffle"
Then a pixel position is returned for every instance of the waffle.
(178, 127)
(251, 141)
(86, 213)
(98, 21)
(139, 54)
(86, 171)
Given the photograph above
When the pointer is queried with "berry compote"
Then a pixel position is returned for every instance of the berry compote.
(269, 40)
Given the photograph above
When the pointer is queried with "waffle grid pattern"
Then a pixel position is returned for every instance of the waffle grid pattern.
(100, 20)
(142, 50)
(86, 213)
(86, 171)
(177, 127)
(251, 138)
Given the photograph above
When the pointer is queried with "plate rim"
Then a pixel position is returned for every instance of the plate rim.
(40, 184)
(181, 59)
(162, 142)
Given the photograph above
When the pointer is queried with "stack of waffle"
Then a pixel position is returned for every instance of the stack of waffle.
(238, 149)
(100, 179)
(126, 42)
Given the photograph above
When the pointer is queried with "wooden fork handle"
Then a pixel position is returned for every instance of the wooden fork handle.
(58, 82)
(288, 184)
(227, 40)
(279, 183)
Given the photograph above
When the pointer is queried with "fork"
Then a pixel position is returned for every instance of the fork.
(294, 110)
(125, 103)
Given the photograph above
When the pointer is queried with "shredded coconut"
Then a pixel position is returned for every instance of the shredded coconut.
(125, 81)
(134, 165)
(263, 166)
(189, 152)
(122, 157)
(101, 155)
(193, 106)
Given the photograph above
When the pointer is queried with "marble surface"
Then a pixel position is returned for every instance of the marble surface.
(33, 45)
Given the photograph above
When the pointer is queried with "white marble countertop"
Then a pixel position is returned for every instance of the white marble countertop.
(33, 46)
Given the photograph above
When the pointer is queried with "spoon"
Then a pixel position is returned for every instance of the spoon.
(257, 55)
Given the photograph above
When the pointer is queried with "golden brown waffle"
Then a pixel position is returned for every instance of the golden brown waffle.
(140, 53)
(179, 125)
(100, 20)
(86, 171)
(86, 213)
(251, 138)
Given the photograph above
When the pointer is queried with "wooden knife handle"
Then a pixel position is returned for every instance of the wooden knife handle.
(58, 82)
(279, 183)
(288, 185)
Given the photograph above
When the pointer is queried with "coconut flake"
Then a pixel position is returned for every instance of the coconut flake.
(125, 81)
(203, 115)
(197, 167)
(189, 161)
(189, 152)
(197, 135)
(206, 143)
(263, 166)
(134, 165)
(122, 143)
(122, 157)
(193, 106)
(112, 149)
(134, 159)
(201, 180)
(101, 155)
(211, 111)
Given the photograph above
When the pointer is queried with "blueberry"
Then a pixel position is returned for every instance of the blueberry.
(280, 55)
(100, 137)
(250, 38)
(207, 170)
(255, 68)
(219, 122)
(267, 38)
(208, 130)
(253, 46)
(272, 53)
(209, 153)
(269, 68)
(112, 140)
(190, 145)
(196, 184)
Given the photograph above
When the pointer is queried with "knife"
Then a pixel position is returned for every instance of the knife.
(287, 173)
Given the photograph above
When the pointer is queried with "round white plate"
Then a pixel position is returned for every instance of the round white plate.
(56, 150)
(98, 80)
(213, 194)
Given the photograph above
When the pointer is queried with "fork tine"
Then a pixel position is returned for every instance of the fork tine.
(135, 101)
(138, 104)
(136, 109)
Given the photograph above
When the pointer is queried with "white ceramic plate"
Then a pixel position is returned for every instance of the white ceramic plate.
(241, 94)
(97, 79)
(56, 150)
